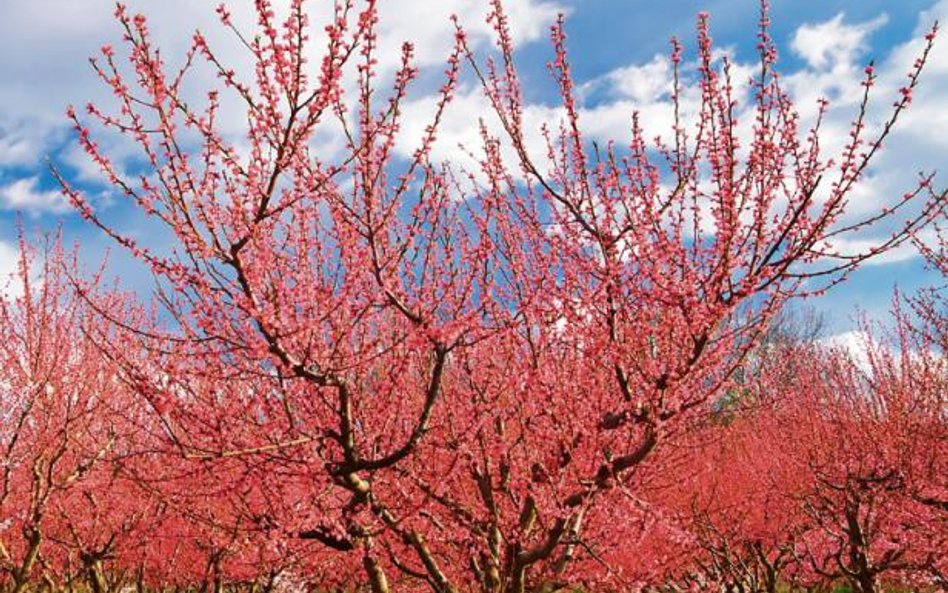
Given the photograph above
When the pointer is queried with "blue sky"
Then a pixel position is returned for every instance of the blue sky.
(616, 49)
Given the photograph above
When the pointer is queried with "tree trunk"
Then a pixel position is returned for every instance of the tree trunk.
(96, 576)
(376, 575)
(21, 577)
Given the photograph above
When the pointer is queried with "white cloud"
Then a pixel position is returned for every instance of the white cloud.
(864, 245)
(428, 24)
(24, 195)
(17, 147)
(643, 83)
(855, 343)
(459, 134)
(833, 42)
(45, 45)
(8, 259)
(9, 263)
(879, 347)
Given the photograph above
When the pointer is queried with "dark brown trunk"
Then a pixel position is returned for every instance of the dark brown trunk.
(376, 575)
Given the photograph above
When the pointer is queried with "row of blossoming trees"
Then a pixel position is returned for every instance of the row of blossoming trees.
(551, 370)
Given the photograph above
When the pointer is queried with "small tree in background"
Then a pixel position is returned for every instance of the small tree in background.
(61, 404)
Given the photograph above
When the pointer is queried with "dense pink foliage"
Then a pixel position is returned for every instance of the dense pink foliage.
(553, 371)
(834, 471)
